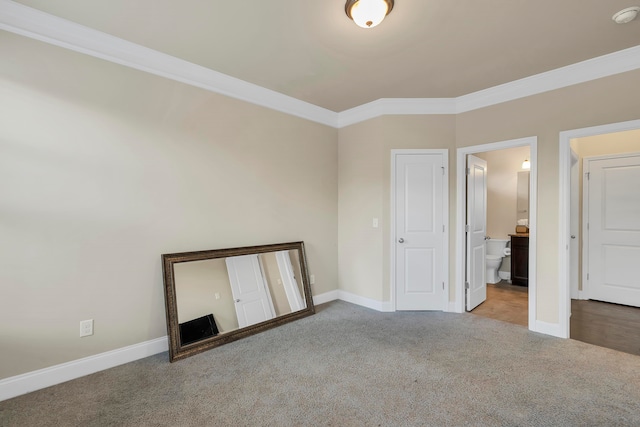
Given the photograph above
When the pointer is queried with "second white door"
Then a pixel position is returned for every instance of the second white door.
(612, 202)
(476, 229)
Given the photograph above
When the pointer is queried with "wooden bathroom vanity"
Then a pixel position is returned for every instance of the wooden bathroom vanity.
(520, 259)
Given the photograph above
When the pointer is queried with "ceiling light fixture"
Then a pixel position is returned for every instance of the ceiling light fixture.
(526, 164)
(626, 15)
(368, 13)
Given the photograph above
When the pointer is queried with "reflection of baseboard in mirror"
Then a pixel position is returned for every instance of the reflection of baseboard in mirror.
(222, 295)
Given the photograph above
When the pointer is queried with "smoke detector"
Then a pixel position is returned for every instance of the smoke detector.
(626, 15)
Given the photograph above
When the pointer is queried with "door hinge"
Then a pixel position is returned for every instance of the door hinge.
(587, 276)
(443, 228)
(443, 286)
(466, 228)
(468, 171)
(442, 170)
(466, 285)
(588, 174)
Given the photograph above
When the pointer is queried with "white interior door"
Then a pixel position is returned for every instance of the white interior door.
(476, 229)
(612, 190)
(419, 231)
(249, 288)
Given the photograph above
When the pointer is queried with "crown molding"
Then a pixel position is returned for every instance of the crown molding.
(32, 23)
(580, 72)
(396, 106)
(35, 24)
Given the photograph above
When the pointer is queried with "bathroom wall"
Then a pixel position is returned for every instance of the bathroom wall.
(502, 182)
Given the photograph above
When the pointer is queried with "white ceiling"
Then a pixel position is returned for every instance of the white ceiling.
(311, 51)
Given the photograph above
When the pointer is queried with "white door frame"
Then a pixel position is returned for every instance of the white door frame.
(564, 229)
(445, 216)
(532, 143)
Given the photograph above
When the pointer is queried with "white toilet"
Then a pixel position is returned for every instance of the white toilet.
(496, 250)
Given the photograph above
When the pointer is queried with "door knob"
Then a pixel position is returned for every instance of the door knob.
(573, 236)
(401, 240)
(237, 300)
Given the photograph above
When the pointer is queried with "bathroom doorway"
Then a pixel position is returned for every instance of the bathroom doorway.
(507, 212)
(504, 300)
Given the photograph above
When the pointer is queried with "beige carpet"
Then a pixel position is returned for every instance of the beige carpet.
(350, 366)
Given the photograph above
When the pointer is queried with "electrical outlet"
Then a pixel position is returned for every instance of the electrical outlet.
(86, 328)
(312, 279)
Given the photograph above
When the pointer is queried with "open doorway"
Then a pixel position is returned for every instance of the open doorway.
(605, 240)
(570, 233)
(501, 223)
(506, 235)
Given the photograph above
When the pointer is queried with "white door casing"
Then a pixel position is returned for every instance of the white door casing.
(476, 283)
(612, 228)
(250, 291)
(419, 233)
(574, 226)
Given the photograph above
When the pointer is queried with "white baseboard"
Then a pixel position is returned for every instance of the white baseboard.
(383, 306)
(326, 297)
(453, 308)
(552, 329)
(47, 377)
(36, 380)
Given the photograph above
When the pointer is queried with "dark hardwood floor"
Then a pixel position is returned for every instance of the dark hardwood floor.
(607, 325)
(604, 324)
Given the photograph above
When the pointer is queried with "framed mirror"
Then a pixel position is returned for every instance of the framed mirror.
(217, 296)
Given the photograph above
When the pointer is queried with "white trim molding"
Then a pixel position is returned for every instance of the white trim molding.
(553, 329)
(564, 226)
(581, 72)
(325, 297)
(29, 22)
(396, 106)
(532, 143)
(383, 306)
(36, 380)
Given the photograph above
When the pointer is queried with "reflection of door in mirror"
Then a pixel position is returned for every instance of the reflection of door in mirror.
(522, 201)
(264, 286)
(218, 296)
(250, 292)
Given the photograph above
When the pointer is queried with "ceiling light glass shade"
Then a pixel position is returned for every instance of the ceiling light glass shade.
(526, 164)
(626, 15)
(368, 13)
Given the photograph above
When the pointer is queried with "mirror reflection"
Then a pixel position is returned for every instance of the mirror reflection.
(217, 296)
(223, 294)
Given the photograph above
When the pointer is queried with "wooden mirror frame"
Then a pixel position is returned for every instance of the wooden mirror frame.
(178, 351)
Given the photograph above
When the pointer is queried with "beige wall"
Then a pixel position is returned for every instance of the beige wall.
(364, 190)
(197, 285)
(364, 193)
(502, 189)
(105, 168)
